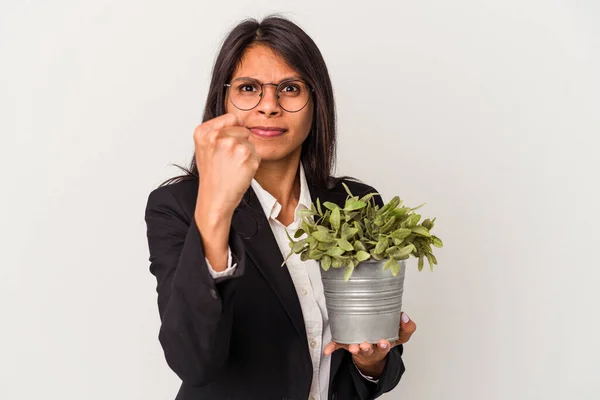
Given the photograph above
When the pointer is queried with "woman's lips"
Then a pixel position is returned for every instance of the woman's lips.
(267, 132)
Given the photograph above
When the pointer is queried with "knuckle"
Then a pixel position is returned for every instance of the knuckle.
(211, 137)
(199, 132)
(245, 151)
(228, 142)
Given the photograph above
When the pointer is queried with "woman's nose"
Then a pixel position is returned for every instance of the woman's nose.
(268, 103)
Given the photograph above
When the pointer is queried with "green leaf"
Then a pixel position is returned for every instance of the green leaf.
(306, 227)
(335, 251)
(399, 212)
(362, 255)
(298, 246)
(348, 271)
(389, 224)
(420, 264)
(319, 207)
(359, 246)
(367, 224)
(336, 262)
(369, 196)
(431, 259)
(299, 232)
(421, 230)
(417, 207)
(316, 254)
(347, 189)
(359, 228)
(331, 206)
(397, 252)
(395, 202)
(304, 255)
(354, 205)
(412, 220)
(344, 244)
(348, 232)
(395, 268)
(322, 236)
(401, 233)
(335, 219)
(382, 244)
(437, 242)
(324, 246)
(325, 262)
(305, 212)
(348, 215)
(389, 263)
(313, 208)
(310, 223)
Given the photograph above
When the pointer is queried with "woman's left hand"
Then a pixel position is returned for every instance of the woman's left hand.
(370, 358)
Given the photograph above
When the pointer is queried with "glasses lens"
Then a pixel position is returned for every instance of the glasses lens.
(244, 94)
(293, 95)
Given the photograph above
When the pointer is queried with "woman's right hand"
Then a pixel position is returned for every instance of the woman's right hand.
(226, 161)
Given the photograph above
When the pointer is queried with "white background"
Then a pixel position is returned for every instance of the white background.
(486, 110)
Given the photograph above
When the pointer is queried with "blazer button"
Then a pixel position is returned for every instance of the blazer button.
(213, 293)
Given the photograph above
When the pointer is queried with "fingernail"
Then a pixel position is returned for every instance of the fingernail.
(405, 318)
(383, 345)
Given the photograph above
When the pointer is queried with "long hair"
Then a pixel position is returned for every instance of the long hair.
(297, 48)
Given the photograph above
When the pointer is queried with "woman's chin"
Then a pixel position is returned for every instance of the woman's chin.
(275, 155)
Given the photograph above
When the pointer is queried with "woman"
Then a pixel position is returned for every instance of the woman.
(235, 324)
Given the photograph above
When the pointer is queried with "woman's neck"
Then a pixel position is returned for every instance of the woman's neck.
(282, 180)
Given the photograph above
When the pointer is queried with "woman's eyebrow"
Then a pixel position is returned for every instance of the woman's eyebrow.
(289, 78)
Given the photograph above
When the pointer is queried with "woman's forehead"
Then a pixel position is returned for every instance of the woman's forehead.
(265, 65)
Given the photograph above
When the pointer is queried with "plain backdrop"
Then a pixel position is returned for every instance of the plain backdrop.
(486, 110)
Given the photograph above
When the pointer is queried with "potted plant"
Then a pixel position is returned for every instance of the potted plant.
(362, 250)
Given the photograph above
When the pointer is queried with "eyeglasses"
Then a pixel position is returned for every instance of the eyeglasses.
(292, 95)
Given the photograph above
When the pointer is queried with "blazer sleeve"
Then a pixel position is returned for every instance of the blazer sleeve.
(394, 366)
(196, 310)
(392, 372)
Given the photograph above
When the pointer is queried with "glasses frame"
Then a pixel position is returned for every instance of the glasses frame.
(277, 86)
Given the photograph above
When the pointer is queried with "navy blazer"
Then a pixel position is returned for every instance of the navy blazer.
(241, 337)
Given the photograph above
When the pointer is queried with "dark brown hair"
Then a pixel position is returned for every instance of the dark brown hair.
(297, 48)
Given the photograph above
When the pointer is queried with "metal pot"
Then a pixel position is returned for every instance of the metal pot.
(367, 307)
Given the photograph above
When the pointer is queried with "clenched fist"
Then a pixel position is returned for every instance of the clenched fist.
(226, 161)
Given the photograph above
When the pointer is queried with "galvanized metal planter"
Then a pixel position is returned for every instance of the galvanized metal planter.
(367, 307)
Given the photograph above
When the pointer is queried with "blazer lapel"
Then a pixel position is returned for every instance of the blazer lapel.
(250, 221)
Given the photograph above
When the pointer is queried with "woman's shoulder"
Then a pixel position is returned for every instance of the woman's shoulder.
(180, 194)
(356, 186)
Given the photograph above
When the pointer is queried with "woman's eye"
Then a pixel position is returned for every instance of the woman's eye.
(290, 88)
(246, 88)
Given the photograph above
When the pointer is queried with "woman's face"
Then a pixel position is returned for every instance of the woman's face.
(264, 65)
